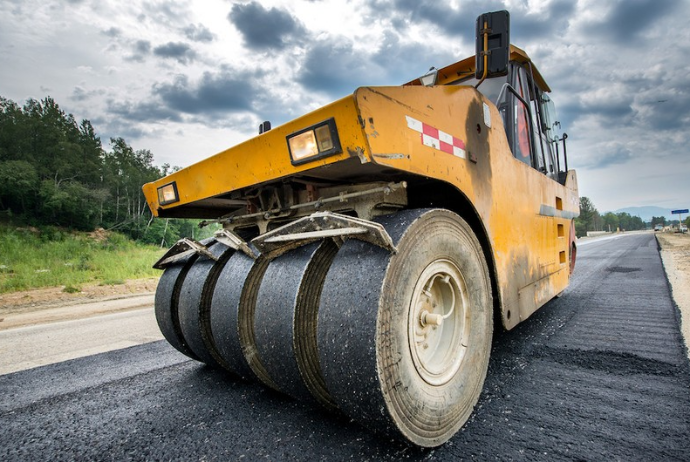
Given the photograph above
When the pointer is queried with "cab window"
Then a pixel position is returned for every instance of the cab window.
(521, 136)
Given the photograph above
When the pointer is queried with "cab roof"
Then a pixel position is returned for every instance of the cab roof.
(466, 67)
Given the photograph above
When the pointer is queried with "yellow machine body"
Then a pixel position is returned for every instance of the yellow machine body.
(448, 143)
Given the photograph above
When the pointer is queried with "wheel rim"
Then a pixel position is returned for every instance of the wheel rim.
(439, 322)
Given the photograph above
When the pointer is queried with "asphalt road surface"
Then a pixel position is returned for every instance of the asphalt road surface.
(47, 343)
(598, 374)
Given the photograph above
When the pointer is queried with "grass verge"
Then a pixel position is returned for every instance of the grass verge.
(32, 258)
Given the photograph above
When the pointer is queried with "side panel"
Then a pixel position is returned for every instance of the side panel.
(260, 159)
(454, 135)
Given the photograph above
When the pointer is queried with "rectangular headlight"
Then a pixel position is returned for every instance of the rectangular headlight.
(168, 194)
(315, 142)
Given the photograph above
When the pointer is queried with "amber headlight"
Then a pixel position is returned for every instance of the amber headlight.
(168, 194)
(313, 143)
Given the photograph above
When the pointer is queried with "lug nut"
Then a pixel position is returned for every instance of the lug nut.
(431, 318)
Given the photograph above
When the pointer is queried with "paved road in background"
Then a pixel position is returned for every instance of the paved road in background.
(598, 374)
(47, 343)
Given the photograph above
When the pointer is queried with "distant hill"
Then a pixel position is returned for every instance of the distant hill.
(646, 213)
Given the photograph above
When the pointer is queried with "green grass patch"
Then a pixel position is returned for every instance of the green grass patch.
(112, 282)
(71, 289)
(31, 258)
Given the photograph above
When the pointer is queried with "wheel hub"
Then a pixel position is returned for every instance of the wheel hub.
(438, 322)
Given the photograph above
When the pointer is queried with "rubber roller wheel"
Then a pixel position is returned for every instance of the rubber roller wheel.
(166, 305)
(404, 338)
(195, 302)
(285, 320)
(232, 316)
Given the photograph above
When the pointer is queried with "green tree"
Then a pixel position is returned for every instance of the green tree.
(589, 219)
(636, 223)
(125, 171)
(12, 123)
(625, 221)
(611, 222)
(658, 221)
(70, 204)
(18, 184)
(55, 171)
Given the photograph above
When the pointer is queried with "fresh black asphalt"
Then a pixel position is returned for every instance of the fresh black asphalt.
(600, 373)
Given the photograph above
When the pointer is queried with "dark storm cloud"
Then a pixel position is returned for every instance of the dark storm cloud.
(608, 155)
(166, 11)
(461, 22)
(332, 66)
(619, 111)
(264, 29)
(657, 100)
(629, 19)
(198, 33)
(141, 111)
(406, 12)
(181, 52)
(142, 47)
(222, 92)
(140, 50)
(118, 128)
(402, 62)
(81, 94)
(609, 113)
(554, 19)
(113, 32)
(666, 113)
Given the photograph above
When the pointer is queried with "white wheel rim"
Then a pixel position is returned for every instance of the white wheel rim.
(439, 322)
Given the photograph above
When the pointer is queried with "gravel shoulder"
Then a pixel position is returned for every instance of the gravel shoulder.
(52, 304)
(675, 254)
(39, 306)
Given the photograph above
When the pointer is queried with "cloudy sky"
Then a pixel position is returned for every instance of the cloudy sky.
(186, 79)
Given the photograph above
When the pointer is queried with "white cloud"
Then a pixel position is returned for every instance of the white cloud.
(186, 79)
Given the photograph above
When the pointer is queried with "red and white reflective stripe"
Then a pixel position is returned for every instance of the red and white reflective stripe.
(437, 139)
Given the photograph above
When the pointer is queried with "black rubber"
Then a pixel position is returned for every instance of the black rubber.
(232, 316)
(285, 320)
(166, 303)
(195, 302)
(369, 305)
(346, 334)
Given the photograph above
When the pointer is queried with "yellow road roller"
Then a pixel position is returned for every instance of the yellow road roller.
(369, 248)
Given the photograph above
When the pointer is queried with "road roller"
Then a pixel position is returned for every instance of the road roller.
(370, 248)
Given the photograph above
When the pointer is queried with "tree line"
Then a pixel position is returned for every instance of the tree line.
(591, 220)
(54, 171)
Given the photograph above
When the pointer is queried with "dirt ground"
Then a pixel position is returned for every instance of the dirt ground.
(675, 253)
(40, 299)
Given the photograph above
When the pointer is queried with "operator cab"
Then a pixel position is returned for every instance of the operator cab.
(529, 116)
(508, 78)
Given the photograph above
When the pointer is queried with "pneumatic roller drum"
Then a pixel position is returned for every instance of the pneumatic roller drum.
(195, 302)
(285, 320)
(232, 316)
(404, 338)
(166, 304)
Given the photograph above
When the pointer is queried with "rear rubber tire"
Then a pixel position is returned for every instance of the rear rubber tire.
(285, 320)
(232, 316)
(195, 304)
(370, 321)
(166, 305)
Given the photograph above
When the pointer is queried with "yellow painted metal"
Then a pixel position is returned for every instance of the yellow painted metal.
(525, 214)
(520, 207)
(465, 68)
(260, 159)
